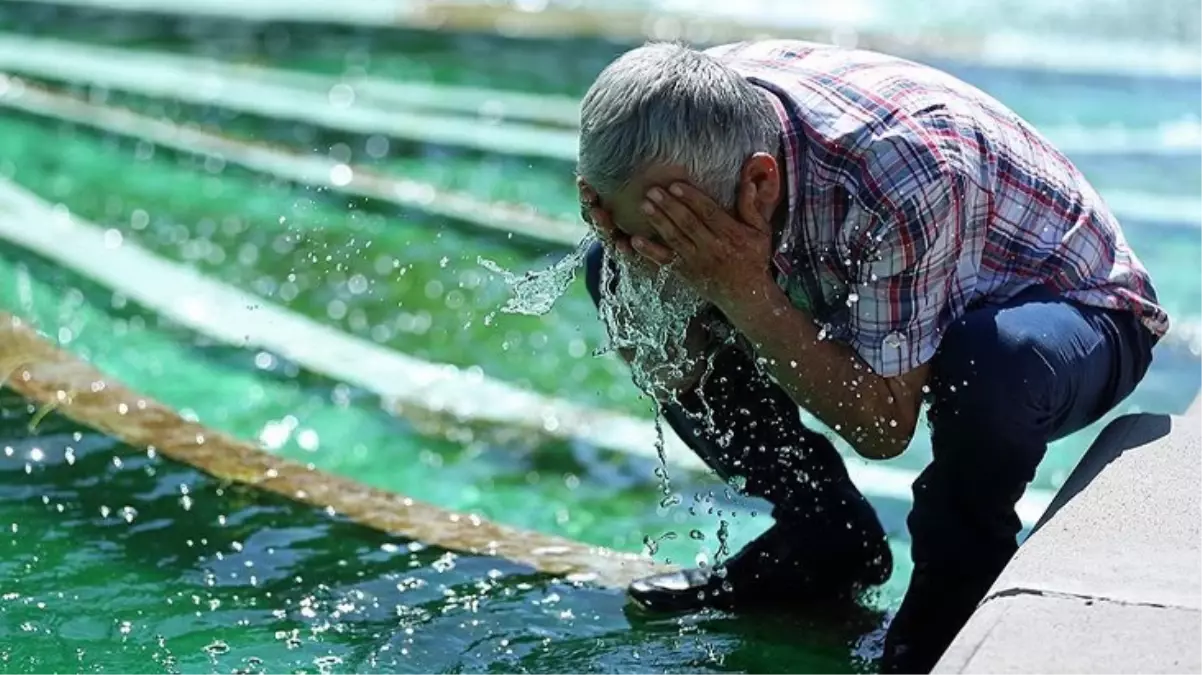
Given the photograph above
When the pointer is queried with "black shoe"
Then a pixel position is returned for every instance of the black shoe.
(780, 568)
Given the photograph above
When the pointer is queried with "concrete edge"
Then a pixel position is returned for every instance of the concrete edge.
(1109, 581)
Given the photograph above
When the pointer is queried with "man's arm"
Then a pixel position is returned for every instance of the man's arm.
(903, 237)
(876, 415)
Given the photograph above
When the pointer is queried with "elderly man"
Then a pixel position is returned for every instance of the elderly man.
(867, 235)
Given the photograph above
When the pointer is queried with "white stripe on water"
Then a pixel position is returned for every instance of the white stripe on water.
(1028, 34)
(307, 168)
(153, 75)
(216, 82)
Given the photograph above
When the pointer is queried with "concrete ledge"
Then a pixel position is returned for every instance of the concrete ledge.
(1111, 578)
(1063, 634)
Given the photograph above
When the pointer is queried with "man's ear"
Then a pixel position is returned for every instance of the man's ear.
(762, 172)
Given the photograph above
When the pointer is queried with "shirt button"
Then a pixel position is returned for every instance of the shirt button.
(893, 340)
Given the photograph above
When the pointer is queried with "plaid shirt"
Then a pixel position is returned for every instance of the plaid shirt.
(914, 197)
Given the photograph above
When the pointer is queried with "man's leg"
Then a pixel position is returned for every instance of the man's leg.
(1005, 382)
(827, 539)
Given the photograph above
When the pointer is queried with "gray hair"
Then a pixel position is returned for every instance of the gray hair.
(665, 103)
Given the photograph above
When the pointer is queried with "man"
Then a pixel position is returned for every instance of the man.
(877, 235)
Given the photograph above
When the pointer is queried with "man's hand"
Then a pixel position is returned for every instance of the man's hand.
(600, 220)
(726, 259)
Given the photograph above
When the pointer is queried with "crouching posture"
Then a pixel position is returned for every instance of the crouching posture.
(864, 235)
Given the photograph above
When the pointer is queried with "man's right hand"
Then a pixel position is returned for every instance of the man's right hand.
(600, 220)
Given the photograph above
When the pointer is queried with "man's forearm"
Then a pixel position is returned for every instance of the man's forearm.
(825, 377)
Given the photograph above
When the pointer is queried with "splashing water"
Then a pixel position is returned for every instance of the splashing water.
(535, 292)
(723, 542)
(647, 314)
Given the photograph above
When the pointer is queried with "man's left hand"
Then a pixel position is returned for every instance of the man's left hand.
(726, 259)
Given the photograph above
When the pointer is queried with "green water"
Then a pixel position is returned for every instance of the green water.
(401, 279)
(108, 569)
(240, 568)
(409, 282)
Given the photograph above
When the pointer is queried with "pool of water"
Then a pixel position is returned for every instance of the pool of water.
(242, 581)
(203, 576)
(117, 562)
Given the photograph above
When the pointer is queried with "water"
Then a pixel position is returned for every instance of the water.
(414, 284)
(650, 320)
(242, 581)
(55, 478)
(535, 292)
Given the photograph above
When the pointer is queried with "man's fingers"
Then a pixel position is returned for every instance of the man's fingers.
(600, 221)
(583, 186)
(587, 208)
(656, 253)
(589, 200)
(674, 235)
(678, 212)
(701, 208)
(607, 231)
(623, 245)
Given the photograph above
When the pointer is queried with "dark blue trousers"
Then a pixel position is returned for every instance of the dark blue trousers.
(1007, 380)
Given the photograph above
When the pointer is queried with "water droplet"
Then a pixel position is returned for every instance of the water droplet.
(650, 544)
(723, 537)
(357, 284)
